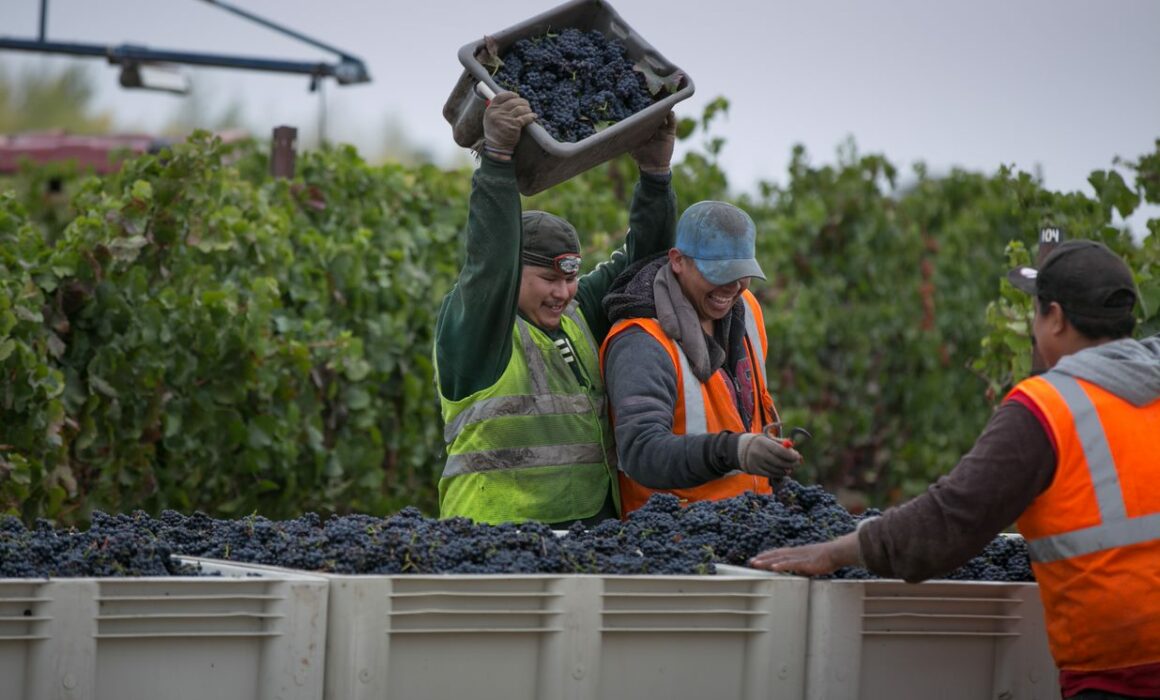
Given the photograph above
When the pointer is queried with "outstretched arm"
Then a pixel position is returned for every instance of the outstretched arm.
(1012, 462)
(652, 224)
(473, 331)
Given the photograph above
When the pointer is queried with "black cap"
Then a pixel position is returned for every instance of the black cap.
(1084, 277)
(546, 238)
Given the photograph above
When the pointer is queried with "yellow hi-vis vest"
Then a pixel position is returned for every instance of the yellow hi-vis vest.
(536, 445)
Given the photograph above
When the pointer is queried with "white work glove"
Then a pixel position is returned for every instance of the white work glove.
(762, 455)
(505, 117)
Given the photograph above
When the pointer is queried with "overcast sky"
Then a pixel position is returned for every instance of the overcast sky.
(1057, 87)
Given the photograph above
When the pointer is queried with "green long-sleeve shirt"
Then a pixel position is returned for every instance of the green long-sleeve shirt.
(473, 333)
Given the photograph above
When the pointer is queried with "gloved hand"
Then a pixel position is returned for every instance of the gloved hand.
(760, 454)
(506, 115)
(653, 156)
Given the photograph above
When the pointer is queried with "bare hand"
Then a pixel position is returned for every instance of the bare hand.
(811, 559)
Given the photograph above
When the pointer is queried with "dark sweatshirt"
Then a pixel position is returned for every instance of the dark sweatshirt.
(473, 333)
(1010, 464)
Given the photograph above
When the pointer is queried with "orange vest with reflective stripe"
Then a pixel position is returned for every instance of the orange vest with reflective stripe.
(706, 408)
(1094, 534)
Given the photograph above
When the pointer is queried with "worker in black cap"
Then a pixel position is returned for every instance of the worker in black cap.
(517, 338)
(1071, 456)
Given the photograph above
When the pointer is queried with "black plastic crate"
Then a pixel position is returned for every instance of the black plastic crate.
(542, 161)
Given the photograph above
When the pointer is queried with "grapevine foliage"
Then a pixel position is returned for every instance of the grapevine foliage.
(576, 81)
(189, 334)
(200, 336)
(889, 290)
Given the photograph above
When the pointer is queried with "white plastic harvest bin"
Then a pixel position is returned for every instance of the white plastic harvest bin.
(244, 635)
(886, 639)
(579, 637)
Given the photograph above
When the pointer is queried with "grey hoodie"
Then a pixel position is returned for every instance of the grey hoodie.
(1127, 368)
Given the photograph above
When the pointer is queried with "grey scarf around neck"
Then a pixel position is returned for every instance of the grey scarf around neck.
(679, 320)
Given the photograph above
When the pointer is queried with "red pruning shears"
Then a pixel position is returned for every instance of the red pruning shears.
(797, 435)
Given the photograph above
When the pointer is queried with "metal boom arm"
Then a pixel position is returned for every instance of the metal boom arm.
(348, 70)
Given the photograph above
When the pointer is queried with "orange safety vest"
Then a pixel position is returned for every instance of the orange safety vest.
(705, 408)
(1094, 534)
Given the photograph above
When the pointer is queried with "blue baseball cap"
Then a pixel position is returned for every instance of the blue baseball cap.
(720, 238)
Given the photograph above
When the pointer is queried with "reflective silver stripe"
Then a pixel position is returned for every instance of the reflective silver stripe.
(537, 370)
(573, 312)
(1095, 539)
(522, 458)
(519, 405)
(755, 342)
(1094, 443)
(695, 422)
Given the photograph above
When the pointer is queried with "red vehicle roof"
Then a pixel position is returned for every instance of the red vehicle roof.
(101, 154)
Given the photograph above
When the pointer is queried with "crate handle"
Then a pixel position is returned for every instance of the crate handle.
(484, 90)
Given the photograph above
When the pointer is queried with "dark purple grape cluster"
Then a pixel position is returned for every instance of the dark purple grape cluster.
(405, 543)
(650, 541)
(112, 546)
(1003, 559)
(409, 543)
(736, 529)
(733, 530)
(660, 538)
(576, 81)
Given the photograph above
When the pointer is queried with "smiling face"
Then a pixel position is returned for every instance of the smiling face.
(712, 301)
(544, 293)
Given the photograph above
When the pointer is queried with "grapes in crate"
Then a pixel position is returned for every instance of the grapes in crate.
(577, 82)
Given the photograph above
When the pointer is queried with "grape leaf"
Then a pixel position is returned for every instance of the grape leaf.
(488, 55)
(656, 83)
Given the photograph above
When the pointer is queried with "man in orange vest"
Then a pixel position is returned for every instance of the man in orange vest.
(1071, 454)
(684, 367)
